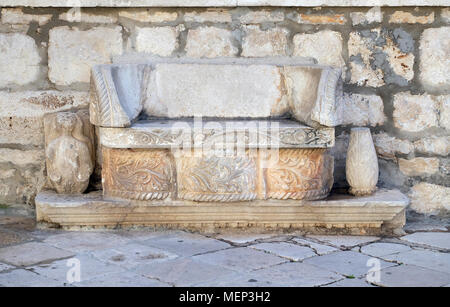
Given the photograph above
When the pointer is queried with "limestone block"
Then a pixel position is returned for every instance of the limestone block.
(210, 42)
(445, 15)
(419, 166)
(373, 15)
(362, 110)
(361, 166)
(208, 176)
(19, 157)
(69, 151)
(296, 173)
(259, 16)
(388, 147)
(261, 43)
(429, 198)
(160, 41)
(210, 15)
(19, 55)
(138, 174)
(320, 19)
(415, 113)
(148, 15)
(434, 58)
(325, 46)
(72, 52)
(434, 145)
(407, 17)
(89, 17)
(16, 16)
(444, 114)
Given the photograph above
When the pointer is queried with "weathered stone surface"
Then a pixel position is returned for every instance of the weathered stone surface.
(31, 253)
(137, 174)
(351, 282)
(259, 16)
(320, 19)
(444, 114)
(408, 276)
(80, 242)
(374, 64)
(242, 238)
(5, 267)
(429, 198)
(419, 166)
(21, 157)
(89, 17)
(286, 250)
(16, 16)
(148, 15)
(344, 241)
(435, 261)
(296, 174)
(210, 42)
(69, 151)
(414, 113)
(361, 167)
(434, 50)
(325, 46)
(433, 145)
(382, 249)
(122, 279)
(407, 17)
(388, 147)
(373, 15)
(261, 43)
(160, 41)
(210, 15)
(445, 15)
(72, 52)
(347, 263)
(19, 55)
(25, 278)
(320, 249)
(434, 239)
(362, 110)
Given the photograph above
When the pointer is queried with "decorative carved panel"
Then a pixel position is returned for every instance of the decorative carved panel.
(138, 174)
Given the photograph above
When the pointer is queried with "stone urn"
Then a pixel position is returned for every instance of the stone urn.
(362, 164)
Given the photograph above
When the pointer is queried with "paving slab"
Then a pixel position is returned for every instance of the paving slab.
(122, 279)
(132, 255)
(186, 244)
(424, 258)
(9, 238)
(434, 239)
(31, 253)
(85, 241)
(89, 268)
(347, 263)
(5, 267)
(244, 238)
(286, 250)
(25, 278)
(290, 274)
(383, 249)
(320, 249)
(184, 272)
(241, 259)
(412, 276)
(344, 241)
(351, 282)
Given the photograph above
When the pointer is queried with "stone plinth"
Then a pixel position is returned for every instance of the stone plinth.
(380, 213)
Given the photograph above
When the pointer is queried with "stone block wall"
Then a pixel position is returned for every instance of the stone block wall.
(395, 64)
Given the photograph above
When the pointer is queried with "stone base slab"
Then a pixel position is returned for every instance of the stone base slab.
(380, 213)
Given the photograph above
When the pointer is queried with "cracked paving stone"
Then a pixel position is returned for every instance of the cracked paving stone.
(291, 274)
(434, 239)
(351, 282)
(412, 276)
(5, 267)
(384, 249)
(123, 279)
(347, 263)
(286, 250)
(132, 255)
(85, 241)
(344, 241)
(9, 238)
(244, 238)
(241, 259)
(25, 278)
(318, 248)
(184, 272)
(89, 268)
(186, 244)
(427, 259)
(31, 253)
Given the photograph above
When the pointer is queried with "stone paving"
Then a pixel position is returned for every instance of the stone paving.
(37, 257)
